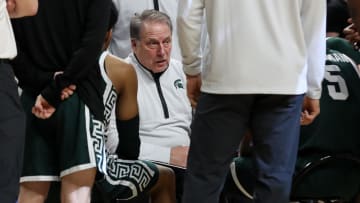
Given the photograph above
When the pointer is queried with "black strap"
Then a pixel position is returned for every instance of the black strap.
(156, 5)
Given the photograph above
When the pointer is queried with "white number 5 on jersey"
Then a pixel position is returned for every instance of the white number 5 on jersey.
(342, 92)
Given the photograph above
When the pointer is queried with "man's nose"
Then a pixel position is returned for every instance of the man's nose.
(161, 50)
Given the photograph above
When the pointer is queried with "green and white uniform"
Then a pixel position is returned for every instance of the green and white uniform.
(74, 140)
(62, 144)
(334, 131)
(336, 128)
(123, 179)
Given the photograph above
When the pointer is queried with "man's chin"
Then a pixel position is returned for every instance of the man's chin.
(161, 68)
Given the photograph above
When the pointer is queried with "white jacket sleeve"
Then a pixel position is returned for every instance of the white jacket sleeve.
(314, 22)
(189, 24)
(154, 152)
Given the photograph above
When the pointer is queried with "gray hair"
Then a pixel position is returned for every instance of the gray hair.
(147, 16)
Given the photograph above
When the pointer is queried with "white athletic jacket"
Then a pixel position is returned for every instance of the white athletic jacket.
(7, 42)
(257, 46)
(164, 110)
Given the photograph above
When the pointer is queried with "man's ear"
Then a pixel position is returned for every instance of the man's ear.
(133, 43)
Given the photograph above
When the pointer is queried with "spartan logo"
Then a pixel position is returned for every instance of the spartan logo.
(178, 84)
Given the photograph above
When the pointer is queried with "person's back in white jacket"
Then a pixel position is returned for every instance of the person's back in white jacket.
(265, 56)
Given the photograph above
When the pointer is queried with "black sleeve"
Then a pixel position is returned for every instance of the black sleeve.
(85, 58)
(28, 75)
(129, 140)
(26, 70)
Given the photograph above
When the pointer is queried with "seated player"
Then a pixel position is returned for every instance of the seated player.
(120, 175)
(334, 131)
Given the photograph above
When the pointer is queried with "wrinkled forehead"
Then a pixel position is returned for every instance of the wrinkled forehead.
(155, 29)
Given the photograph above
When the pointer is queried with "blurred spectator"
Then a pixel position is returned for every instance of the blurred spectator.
(337, 17)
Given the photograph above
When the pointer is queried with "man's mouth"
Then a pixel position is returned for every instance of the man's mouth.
(161, 61)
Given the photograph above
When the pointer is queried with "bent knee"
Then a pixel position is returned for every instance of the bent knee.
(166, 174)
(36, 190)
(81, 178)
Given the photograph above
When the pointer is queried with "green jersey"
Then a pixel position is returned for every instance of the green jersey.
(335, 129)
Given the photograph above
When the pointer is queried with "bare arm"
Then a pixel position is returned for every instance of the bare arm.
(178, 155)
(193, 88)
(21, 8)
(123, 77)
(352, 34)
(311, 109)
(124, 80)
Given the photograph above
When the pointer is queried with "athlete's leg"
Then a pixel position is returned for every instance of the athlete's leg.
(34, 192)
(164, 189)
(76, 187)
(77, 151)
(38, 164)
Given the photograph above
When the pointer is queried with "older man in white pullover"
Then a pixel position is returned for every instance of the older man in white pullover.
(164, 109)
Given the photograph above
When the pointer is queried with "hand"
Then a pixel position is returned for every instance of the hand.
(178, 155)
(42, 109)
(67, 92)
(10, 6)
(352, 35)
(193, 88)
(311, 109)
